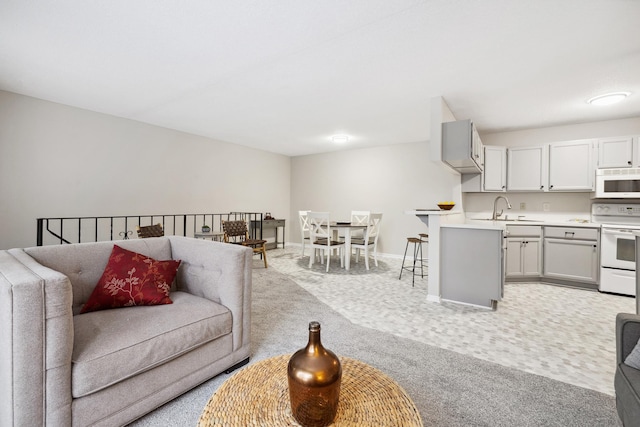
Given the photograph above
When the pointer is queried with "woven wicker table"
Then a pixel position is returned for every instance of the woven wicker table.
(258, 395)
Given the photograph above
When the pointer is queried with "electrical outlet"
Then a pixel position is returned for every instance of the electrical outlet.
(523, 206)
(546, 206)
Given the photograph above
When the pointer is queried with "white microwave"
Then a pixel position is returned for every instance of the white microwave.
(620, 183)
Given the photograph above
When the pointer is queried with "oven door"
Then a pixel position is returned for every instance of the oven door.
(618, 248)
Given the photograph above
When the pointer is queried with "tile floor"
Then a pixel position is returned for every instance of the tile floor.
(562, 333)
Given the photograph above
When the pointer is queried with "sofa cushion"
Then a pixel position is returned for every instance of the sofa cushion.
(131, 279)
(633, 359)
(83, 263)
(113, 345)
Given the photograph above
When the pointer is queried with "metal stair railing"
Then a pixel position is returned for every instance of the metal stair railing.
(66, 230)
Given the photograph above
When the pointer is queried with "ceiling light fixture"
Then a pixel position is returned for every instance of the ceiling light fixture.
(608, 98)
(339, 139)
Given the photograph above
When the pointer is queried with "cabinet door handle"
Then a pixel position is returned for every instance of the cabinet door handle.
(542, 187)
(629, 162)
(551, 186)
(569, 234)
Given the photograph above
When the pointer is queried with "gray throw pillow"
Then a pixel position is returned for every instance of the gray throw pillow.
(633, 359)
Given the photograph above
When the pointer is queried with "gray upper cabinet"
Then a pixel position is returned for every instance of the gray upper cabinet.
(495, 168)
(571, 166)
(615, 152)
(557, 166)
(462, 147)
(527, 168)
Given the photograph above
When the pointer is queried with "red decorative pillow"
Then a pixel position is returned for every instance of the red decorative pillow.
(131, 279)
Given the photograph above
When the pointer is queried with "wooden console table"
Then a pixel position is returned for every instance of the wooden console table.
(268, 224)
(217, 236)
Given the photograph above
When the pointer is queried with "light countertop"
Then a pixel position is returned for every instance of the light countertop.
(555, 223)
(485, 225)
(431, 212)
(455, 218)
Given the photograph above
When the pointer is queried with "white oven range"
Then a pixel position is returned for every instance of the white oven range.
(618, 246)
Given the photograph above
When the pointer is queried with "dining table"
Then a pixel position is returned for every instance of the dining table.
(347, 228)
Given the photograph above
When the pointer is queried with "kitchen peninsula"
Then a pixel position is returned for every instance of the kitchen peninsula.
(465, 259)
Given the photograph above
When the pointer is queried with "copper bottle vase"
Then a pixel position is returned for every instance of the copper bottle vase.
(314, 375)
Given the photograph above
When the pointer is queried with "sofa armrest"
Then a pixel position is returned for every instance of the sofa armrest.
(220, 272)
(36, 342)
(627, 334)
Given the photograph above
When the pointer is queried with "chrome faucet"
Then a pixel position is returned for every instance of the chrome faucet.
(495, 207)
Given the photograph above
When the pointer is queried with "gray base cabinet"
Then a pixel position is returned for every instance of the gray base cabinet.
(471, 266)
(553, 254)
(523, 257)
(571, 253)
(523, 253)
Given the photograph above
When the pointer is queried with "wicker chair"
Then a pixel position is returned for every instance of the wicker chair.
(150, 231)
(236, 232)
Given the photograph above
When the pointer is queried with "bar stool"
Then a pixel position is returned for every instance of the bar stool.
(417, 256)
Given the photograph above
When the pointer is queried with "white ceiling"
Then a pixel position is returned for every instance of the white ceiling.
(284, 75)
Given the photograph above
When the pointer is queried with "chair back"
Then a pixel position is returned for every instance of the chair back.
(319, 227)
(235, 231)
(155, 230)
(304, 221)
(373, 230)
(360, 217)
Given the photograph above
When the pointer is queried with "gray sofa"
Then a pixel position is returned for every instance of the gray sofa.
(107, 368)
(627, 379)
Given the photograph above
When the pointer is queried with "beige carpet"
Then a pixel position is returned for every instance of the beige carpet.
(450, 389)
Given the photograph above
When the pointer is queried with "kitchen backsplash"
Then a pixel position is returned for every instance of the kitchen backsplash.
(579, 203)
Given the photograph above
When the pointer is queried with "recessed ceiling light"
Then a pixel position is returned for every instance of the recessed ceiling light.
(608, 98)
(339, 139)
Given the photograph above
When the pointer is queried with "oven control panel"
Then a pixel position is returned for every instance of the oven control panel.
(615, 209)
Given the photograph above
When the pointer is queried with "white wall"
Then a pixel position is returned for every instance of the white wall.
(559, 202)
(528, 137)
(389, 179)
(57, 160)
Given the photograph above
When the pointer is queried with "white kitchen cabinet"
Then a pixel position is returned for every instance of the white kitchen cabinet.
(636, 151)
(615, 152)
(527, 168)
(571, 253)
(523, 255)
(495, 168)
(571, 166)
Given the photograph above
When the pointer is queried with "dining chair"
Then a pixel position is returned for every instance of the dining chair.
(320, 238)
(304, 227)
(370, 240)
(359, 218)
(236, 232)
